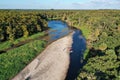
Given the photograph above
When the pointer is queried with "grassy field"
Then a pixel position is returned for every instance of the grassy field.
(85, 31)
(16, 59)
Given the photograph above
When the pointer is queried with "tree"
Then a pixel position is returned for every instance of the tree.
(11, 33)
(103, 46)
(25, 31)
(1, 35)
(38, 27)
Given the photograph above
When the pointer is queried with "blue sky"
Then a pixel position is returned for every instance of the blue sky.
(59, 4)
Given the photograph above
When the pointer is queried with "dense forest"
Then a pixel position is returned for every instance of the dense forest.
(15, 24)
(101, 29)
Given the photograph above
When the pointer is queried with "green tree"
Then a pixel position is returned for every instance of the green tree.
(103, 46)
(25, 31)
(11, 33)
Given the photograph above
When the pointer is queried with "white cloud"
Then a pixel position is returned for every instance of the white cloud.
(98, 4)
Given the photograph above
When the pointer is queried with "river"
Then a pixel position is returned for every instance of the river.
(53, 62)
(59, 29)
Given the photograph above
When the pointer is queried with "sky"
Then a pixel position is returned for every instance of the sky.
(59, 4)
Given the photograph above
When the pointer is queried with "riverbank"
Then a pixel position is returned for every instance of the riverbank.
(51, 64)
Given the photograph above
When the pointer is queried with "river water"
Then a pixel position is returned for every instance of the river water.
(59, 29)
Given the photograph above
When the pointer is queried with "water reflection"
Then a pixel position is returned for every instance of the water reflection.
(78, 47)
(57, 30)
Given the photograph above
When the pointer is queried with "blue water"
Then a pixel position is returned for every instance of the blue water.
(57, 30)
(76, 56)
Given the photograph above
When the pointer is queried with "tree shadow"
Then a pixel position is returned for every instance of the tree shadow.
(2, 51)
(103, 76)
(76, 56)
(94, 52)
(117, 51)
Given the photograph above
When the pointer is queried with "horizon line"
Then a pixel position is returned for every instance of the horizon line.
(57, 9)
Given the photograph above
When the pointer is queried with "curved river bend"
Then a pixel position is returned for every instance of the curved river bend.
(59, 29)
(54, 61)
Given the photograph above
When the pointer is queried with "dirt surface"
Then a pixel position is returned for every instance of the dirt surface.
(51, 64)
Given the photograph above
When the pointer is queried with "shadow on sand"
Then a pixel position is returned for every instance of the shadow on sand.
(76, 56)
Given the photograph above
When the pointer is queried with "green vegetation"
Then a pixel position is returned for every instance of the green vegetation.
(15, 24)
(86, 31)
(15, 60)
(101, 29)
(7, 44)
(20, 27)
